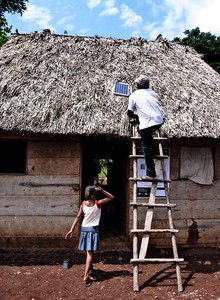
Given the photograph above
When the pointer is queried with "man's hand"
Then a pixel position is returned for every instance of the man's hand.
(133, 117)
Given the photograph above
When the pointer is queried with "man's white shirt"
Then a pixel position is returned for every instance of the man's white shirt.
(146, 103)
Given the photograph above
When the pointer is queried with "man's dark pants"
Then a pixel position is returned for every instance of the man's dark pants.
(149, 148)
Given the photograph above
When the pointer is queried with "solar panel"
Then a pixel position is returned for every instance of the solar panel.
(121, 88)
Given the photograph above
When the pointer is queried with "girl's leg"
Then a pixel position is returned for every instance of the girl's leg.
(89, 256)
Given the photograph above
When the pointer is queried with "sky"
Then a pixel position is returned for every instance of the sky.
(119, 18)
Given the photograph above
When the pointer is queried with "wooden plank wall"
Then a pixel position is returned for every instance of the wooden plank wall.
(43, 202)
(197, 214)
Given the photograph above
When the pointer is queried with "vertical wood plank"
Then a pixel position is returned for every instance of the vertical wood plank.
(135, 218)
(149, 215)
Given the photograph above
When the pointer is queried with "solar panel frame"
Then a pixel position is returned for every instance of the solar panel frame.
(121, 88)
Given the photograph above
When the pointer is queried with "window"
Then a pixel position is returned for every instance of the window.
(104, 169)
(12, 157)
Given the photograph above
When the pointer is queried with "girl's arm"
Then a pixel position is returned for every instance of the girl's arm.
(109, 197)
(75, 222)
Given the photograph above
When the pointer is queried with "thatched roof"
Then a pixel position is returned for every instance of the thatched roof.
(63, 85)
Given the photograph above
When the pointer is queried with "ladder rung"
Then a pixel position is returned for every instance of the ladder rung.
(153, 205)
(155, 138)
(153, 230)
(155, 156)
(154, 180)
(146, 260)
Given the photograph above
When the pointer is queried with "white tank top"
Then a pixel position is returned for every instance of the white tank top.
(92, 214)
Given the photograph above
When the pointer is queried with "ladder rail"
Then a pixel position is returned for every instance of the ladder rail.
(171, 224)
(135, 218)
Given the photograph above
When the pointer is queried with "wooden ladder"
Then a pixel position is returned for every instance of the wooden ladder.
(139, 256)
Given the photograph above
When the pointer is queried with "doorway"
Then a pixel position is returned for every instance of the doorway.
(105, 164)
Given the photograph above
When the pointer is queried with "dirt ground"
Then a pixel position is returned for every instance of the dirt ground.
(40, 275)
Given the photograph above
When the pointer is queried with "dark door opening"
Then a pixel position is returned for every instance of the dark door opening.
(105, 164)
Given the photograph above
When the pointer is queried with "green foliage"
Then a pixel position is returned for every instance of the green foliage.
(12, 6)
(104, 162)
(205, 43)
(4, 31)
(215, 66)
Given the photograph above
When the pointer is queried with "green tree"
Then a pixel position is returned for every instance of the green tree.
(203, 42)
(12, 6)
(4, 31)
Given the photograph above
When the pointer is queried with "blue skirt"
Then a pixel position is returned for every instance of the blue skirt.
(89, 238)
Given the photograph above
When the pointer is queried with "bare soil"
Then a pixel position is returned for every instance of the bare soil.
(39, 274)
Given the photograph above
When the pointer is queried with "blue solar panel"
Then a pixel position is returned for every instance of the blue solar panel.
(121, 89)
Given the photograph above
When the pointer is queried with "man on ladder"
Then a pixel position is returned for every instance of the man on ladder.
(150, 116)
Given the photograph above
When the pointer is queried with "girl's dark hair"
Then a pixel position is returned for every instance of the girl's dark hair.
(90, 192)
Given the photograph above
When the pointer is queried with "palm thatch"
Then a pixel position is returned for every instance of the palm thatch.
(55, 84)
